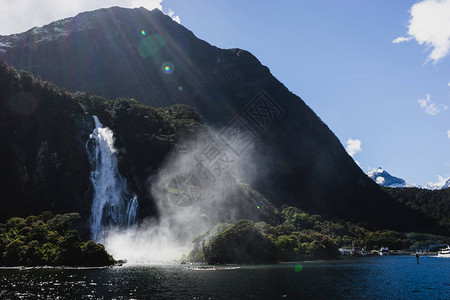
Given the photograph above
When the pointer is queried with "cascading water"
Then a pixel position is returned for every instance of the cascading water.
(111, 206)
(132, 210)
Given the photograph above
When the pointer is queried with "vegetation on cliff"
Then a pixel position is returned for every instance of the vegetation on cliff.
(48, 240)
(242, 242)
(435, 204)
(44, 133)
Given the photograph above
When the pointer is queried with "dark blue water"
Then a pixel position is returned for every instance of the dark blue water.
(393, 277)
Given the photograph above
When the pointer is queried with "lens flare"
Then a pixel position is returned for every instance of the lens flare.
(167, 68)
(257, 206)
(298, 268)
(180, 88)
(143, 32)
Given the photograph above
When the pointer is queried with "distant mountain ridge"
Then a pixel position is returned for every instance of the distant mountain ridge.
(443, 183)
(383, 178)
(145, 55)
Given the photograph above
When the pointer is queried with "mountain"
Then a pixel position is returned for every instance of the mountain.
(286, 152)
(383, 178)
(443, 183)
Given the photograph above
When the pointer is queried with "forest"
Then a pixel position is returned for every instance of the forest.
(50, 240)
(299, 236)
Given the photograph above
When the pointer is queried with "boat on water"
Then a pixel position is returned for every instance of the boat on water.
(353, 251)
(444, 252)
(345, 252)
(383, 251)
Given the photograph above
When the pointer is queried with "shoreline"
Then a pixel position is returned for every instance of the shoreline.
(203, 264)
(26, 268)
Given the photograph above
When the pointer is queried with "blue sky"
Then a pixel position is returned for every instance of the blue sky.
(339, 57)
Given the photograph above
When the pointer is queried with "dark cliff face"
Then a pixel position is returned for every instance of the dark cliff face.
(145, 55)
(43, 144)
(42, 147)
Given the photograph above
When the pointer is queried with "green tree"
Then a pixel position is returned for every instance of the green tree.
(95, 255)
(12, 253)
(241, 243)
(62, 223)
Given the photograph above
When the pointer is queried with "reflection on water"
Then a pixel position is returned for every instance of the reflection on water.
(395, 277)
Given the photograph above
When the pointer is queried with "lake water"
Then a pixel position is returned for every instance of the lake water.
(392, 277)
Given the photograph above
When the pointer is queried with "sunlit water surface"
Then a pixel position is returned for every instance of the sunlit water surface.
(394, 277)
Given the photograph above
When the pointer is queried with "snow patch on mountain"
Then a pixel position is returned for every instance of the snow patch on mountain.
(4, 46)
(442, 183)
(383, 178)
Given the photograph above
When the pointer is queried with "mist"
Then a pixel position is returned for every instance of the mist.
(199, 185)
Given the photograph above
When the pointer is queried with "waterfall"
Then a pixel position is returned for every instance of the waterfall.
(111, 205)
(132, 211)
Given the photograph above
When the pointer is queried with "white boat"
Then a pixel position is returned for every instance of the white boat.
(444, 252)
(384, 251)
(345, 252)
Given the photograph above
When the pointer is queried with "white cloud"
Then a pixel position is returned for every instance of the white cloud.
(429, 107)
(448, 133)
(442, 180)
(20, 15)
(173, 16)
(401, 39)
(380, 180)
(353, 146)
(448, 84)
(429, 25)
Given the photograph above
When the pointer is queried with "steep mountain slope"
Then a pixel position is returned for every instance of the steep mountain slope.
(43, 135)
(292, 156)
